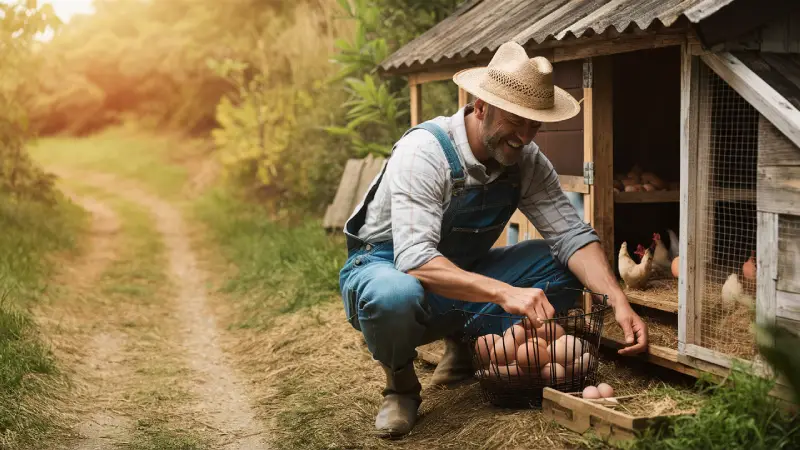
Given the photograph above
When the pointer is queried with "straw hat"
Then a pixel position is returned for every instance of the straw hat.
(519, 85)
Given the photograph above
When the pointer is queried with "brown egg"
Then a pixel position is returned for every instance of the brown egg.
(519, 333)
(505, 350)
(549, 368)
(550, 331)
(567, 348)
(606, 391)
(580, 366)
(484, 346)
(531, 357)
(676, 266)
(590, 392)
(504, 372)
(648, 187)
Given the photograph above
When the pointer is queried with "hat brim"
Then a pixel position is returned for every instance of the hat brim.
(564, 106)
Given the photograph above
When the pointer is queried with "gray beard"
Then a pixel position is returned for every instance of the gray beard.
(497, 153)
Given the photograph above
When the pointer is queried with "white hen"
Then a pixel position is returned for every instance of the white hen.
(634, 275)
(674, 244)
(661, 255)
(733, 292)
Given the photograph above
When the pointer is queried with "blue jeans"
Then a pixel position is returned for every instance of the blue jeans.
(396, 315)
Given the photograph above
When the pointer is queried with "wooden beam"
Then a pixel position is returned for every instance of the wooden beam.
(767, 267)
(757, 92)
(427, 77)
(416, 104)
(690, 76)
(660, 356)
(622, 44)
(463, 98)
(788, 305)
(588, 137)
(601, 153)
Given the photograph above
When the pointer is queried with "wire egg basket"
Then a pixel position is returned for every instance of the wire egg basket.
(514, 367)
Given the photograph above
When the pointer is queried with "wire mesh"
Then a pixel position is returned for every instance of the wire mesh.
(514, 367)
(789, 257)
(726, 237)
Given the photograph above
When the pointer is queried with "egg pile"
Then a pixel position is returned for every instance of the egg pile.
(539, 353)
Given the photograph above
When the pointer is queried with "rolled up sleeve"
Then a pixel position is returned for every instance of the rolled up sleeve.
(547, 207)
(417, 176)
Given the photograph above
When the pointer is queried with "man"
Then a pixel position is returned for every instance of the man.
(420, 242)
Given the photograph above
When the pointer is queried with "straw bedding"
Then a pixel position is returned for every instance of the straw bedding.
(319, 388)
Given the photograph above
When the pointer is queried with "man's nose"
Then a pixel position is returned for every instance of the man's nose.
(527, 132)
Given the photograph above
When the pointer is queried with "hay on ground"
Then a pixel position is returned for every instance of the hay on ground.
(320, 388)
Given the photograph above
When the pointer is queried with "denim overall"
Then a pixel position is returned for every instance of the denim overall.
(392, 309)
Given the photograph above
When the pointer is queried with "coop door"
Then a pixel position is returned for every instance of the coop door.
(721, 276)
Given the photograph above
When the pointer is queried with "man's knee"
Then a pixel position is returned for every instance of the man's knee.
(397, 297)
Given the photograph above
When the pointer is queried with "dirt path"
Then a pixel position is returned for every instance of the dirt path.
(102, 362)
(218, 399)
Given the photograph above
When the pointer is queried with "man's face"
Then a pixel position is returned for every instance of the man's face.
(504, 134)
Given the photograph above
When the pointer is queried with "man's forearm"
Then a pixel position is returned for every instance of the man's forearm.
(590, 266)
(440, 276)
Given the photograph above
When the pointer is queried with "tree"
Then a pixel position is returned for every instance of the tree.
(19, 23)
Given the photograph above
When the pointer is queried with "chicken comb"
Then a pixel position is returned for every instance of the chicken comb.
(656, 236)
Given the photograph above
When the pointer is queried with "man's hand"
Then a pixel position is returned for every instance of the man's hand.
(528, 302)
(633, 326)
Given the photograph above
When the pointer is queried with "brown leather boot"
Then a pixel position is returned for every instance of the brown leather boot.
(456, 364)
(398, 412)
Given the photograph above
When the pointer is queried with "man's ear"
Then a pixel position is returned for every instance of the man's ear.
(480, 109)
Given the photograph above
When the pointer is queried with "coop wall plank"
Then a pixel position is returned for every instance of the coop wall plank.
(788, 305)
(766, 262)
(774, 148)
(779, 189)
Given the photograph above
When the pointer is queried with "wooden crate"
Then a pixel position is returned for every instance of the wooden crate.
(580, 415)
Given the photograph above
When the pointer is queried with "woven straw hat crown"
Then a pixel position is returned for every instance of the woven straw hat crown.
(514, 77)
(521, 85)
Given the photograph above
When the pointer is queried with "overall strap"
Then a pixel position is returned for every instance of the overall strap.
(457, 171)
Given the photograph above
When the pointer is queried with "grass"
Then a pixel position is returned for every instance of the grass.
(154, 435)
(126, 152)
(281, 268)
(32, 232)
(737, 413)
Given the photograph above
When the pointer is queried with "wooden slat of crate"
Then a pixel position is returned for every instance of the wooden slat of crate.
(580, 415)
(356, 178)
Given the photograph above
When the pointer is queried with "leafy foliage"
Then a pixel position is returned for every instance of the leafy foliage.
(377, 112)
(19, 23)
(739, 414)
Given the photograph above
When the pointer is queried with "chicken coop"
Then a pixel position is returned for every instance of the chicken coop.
(688, 143)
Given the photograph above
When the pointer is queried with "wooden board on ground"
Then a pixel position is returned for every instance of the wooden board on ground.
(580, 415)
(431, 353)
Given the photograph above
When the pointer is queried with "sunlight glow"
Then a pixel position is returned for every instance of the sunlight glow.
(65, 9)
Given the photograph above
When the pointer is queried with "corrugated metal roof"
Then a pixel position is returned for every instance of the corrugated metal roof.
(779, 70)
(484, 25)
